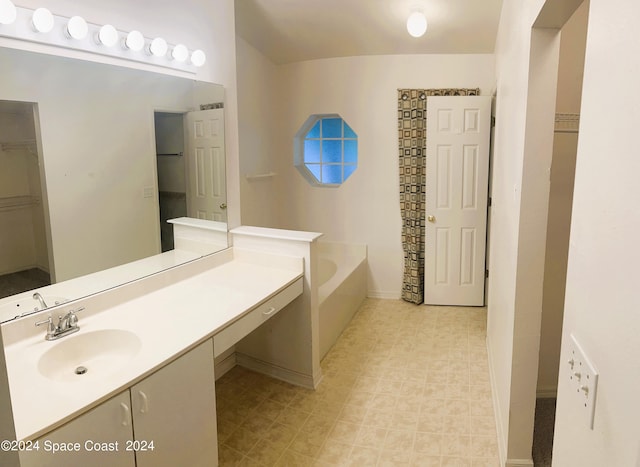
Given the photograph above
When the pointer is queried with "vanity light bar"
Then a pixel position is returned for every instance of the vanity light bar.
(43, 27)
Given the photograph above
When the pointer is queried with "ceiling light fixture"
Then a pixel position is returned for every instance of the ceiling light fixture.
(417, 24)
(8, 12)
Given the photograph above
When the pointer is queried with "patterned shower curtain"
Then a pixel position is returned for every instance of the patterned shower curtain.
(412, 144)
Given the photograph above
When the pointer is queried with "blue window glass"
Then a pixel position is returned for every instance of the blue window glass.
(331, 151)
(312, 151)
(332, 128)
(332, 174)
(348, 132)
(350, 151)
(326, 150)
(316, 171)
(315, 131)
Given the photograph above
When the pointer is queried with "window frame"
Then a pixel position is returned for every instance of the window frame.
(300, 162)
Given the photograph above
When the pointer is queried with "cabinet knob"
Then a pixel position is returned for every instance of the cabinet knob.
(431, 218)
(144, 408)
(269, 312)
(126, 414)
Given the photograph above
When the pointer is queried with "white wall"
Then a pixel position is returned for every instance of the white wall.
(261, 103)
(503, 329)
(101, 173)
(601, 296)
(565, 147)
(602, 301)
(363, 90)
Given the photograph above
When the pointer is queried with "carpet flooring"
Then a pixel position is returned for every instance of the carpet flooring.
(22, 281)
(543, 432)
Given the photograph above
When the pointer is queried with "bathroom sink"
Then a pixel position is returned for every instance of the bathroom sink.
(89, 355)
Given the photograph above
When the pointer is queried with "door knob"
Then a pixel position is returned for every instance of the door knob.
(431, 218)
(223, 206)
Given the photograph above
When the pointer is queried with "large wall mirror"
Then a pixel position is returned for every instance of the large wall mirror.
(93, 159)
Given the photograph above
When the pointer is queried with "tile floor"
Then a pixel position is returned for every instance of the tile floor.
(404, 385)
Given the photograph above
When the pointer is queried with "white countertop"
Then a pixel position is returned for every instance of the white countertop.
(169, 321)
(278, 234)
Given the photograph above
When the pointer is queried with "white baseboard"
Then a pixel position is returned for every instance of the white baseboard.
(384, 295)
(502, 448)
(224, 363)
(547, 393)
(283, 374)
(519, 463)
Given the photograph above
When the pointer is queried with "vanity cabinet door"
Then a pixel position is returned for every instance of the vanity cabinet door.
(175, 409)
(98, 437)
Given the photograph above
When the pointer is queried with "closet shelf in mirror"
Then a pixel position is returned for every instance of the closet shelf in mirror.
(261, 176)
(29, 145)
(10, 203)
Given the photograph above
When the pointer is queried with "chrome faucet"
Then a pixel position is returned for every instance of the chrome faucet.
(67, 324)
(38, 297)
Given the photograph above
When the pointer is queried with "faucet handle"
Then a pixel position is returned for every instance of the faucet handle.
(49, 320)
(50, 326)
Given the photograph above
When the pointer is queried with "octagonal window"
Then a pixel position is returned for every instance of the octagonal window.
(326, 150)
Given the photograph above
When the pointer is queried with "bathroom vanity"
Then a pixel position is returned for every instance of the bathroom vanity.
(135, 386)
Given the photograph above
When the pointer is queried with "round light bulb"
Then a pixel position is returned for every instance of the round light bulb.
(42, 20)
(8, 12)
(108, 35)
(198, 58)
(77, 28)
(134, 41)
(180, 53)
(417, 24)
(158, 47)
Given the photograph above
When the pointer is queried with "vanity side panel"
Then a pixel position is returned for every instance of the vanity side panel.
(287, 346)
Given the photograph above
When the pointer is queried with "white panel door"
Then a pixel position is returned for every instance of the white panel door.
(458, 132)
(206, 182)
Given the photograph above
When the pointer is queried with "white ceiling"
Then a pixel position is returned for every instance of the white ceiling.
(295, 30)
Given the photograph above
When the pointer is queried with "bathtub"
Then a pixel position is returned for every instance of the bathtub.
(342, 279)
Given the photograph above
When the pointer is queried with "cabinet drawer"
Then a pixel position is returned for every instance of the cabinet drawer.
(230, 335)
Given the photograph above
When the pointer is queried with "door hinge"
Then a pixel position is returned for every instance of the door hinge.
(493, 121)
(489, 203)
(486, 273)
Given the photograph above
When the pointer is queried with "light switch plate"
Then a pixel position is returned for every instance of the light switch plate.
(584, 378)
(148, 191)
